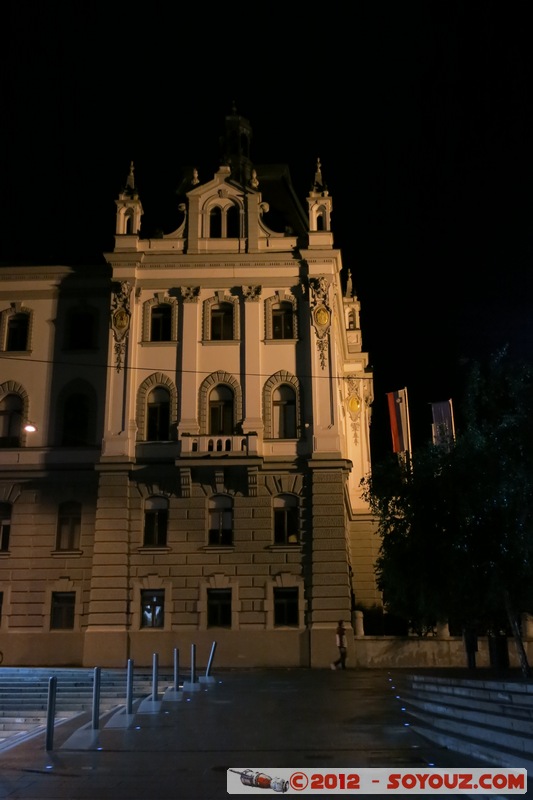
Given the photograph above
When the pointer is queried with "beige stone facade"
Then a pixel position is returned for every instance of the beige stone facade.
(202, 407)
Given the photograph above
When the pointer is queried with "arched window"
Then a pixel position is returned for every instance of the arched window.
(283, 321)
(158, 415)
(283, 412)
(286, 519)
(77, 421)
(155, 522)
(10, 420)
(220, 520)
(68, 526)
(161, 323)
(18, 326)
(232, 223)
(222, 322)
(220, 411)
(5, 526)
(215, 222)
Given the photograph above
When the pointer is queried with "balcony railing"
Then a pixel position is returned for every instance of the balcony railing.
(244, 445)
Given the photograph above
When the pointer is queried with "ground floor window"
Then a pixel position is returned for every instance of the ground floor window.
(219, 608)
(62, 611)
(286, 606)
(152, 608)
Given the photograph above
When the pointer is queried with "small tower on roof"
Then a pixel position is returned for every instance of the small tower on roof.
(129, 208)
(236, 147)
(320, 208)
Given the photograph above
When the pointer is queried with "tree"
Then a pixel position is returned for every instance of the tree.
(456, 523)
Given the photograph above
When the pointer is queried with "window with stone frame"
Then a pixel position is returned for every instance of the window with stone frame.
(286, 519)
(220, 520)
(155, 522)
(221, 411)
(283, 412)
(5, 526)
(158, 415)
(68, 534)
(11, 410)
(219, 608)
(62, 609)
(17, 334)
(283, 321)
(222, 322)
(161, 323)
(152, 608)
(286, 612)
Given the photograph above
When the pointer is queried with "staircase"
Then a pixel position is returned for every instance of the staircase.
(24, 696)
(489, 720)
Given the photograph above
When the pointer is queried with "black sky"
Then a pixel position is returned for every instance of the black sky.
(420, 112)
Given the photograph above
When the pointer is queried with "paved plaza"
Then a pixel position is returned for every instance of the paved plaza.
(182, 745)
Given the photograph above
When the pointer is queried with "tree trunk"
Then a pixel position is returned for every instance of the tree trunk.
(520, 649)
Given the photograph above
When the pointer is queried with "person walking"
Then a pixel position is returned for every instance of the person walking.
(340, 638)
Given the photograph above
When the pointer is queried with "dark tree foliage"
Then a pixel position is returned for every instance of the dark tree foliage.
(456, 521)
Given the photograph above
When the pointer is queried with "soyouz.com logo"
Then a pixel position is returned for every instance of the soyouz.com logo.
(428, 782)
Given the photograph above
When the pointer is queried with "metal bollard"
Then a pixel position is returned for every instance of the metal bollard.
(96, 698)
(129, 687)
(176, 669)
(193, 663)
(155, 662)
(50, 713)
(211, 655)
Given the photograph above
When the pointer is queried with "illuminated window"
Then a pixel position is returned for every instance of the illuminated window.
(152, 608)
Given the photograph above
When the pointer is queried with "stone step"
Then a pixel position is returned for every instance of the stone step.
(490, 720)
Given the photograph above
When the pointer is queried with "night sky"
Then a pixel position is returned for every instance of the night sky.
(420, 113)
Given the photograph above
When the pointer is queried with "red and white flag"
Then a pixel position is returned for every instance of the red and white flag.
(399, 421)
(443, 428)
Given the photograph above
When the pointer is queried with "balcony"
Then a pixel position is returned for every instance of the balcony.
(243, 445)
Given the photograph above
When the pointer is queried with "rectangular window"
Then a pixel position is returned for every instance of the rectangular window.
(68, 526)
(286, 607)
(221, 526)
(155, 528)
(161, 324)
(219, 608)
(17, 332)
(282, 323)
(5, 526)
(62, 611)
(1, 606)
(286, 525)
(152, 608)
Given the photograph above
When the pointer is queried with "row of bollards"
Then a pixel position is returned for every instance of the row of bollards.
(190, 685)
